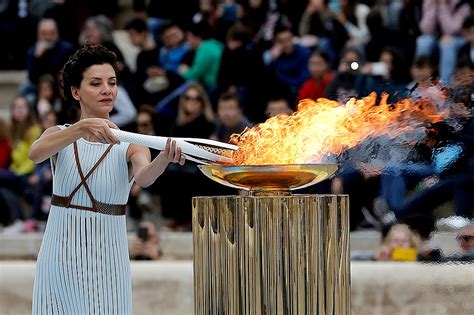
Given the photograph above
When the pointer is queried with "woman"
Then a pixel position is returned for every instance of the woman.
(195, 115)
(83, 265)
(24, 130)
(195, 118)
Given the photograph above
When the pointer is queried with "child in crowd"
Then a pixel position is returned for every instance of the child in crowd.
(277, 106)
(321, 76)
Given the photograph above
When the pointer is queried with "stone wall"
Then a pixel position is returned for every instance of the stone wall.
(165, 288)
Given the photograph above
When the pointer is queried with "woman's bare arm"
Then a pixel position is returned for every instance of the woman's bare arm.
(146, 172)
(54, 139)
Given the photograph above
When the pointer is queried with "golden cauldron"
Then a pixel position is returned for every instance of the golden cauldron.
(271, 252)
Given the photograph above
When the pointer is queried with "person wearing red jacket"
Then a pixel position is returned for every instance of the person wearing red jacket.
(321, 76)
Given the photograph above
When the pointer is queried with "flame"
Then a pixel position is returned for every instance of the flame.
(323, 128)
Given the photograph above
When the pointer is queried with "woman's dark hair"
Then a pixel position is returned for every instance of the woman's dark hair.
(85, 57)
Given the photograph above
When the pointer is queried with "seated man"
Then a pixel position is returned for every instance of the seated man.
(47, 55)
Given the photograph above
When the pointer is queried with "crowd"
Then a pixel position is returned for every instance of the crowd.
(208, 69)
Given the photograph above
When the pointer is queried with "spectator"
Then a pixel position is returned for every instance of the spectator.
(227, 12)
(467, 51)
(40, 183)
(208, 53)
(5, 145)
(410, 16)
(399, 237)
(231, 118)
(389, 75)
(14, 180)
(138, 35)
(139, 199)
(159, 74)
(287, 62)
(448, 15)
(465, 239)
(277, 106)
(330, 34)
(343, 86)
(195, 118)
(47, 55)
(147, 244)
(353, 15)
(98, 30)
(321, 76)
(243, 80)
(48, 97)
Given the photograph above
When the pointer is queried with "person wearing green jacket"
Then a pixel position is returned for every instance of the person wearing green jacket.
(207, 59)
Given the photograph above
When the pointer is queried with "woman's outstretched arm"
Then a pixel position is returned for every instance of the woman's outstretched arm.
(54, 139)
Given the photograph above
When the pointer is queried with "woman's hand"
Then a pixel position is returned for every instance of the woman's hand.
(172, 153)
(98, 130)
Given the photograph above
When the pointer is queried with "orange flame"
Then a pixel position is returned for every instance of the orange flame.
(324, 127)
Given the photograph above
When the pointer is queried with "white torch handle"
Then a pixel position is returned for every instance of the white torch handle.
(159, 143)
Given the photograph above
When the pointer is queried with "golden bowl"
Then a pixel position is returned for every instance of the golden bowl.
(269, 177)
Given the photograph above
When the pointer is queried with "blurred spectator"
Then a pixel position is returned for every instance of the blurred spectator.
(227, 12)
(390, 11)
(5, 157)
(277, 106)
(124, 111)
(47, 97)
(98, 30)
(158, 73)
(14, 180)
(448, 16)
(162, 12)
(319, 21)
(410, 17)
(47, 56)
(147, 244)
(389, 75)
(139, 199)
(17, 31)
(5, 145)
(423, 74)
(40, 183)
(465, 239)
(195, 115)
(287, 62)
(195, 119)
(467, 51)
(138, 35)
(231, 118)
(380, 36)
(321, 76)
(208, 53)
(343, 86)
(353, 15)
(241, 68)
(400, 243)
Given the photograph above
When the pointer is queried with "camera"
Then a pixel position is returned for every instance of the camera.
(142, 233)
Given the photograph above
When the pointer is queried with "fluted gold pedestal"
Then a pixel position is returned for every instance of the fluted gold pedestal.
(271, 255)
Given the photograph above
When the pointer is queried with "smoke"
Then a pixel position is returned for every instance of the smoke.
(375, 153)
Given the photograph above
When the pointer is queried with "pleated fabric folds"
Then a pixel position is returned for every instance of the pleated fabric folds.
(83, 265)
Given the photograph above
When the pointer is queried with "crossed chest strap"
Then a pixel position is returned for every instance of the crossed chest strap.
(97, 206)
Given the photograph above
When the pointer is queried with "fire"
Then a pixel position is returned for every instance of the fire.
(323, 128)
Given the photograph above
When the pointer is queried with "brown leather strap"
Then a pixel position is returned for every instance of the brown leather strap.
(84, 178)
(103, 208)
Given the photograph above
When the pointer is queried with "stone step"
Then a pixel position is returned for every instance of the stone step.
(178, 245)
